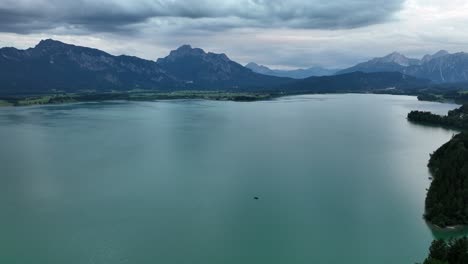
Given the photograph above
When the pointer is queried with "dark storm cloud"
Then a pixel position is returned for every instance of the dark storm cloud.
(24, 16)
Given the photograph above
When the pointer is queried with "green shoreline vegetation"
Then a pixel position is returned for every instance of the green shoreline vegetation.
(63, 98)
(5, 103)
(456, 119)
(145, 95)
(457, 93)
(448, 252)
(27, 100)
(459, 96)
(447, 198)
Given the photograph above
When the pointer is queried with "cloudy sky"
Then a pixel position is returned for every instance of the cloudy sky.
(277, 33)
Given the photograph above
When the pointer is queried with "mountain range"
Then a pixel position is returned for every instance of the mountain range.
(52, 66)
(295, 74)
(55, 66)
(198, 69)
(441, 67)
(389, 82)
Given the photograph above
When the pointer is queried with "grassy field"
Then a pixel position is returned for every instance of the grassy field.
(5, 103)
(133, 96)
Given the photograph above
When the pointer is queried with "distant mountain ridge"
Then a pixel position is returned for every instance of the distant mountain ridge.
(56, 67)
(441, 67)
(394, 62)
(197, 68)
(448, 68)
(359, 82)
(295, 74)
(438, 54)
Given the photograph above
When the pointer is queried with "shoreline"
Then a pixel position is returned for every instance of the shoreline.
(447, 229)
(447, 233)
(145, 96)
(19, 100)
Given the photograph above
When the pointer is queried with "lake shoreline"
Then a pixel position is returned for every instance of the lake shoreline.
(16, 100)
(447, 229)
(446, 167)
(145, 96)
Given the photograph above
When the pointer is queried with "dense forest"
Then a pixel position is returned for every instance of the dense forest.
(447, 198)
(448, 252)
(457, 118)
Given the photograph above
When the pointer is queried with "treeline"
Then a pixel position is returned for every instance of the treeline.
(447, 198)
(457, 118)
(454, 92)
(448, 252)
(136, 96)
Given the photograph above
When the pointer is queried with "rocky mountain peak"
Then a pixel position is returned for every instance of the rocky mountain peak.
(440, 53)
(398, 58)
(187, 52)
(50, 43)
(395, 54)
(184, 51)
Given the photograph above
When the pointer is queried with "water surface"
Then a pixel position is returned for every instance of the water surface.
(340, 179)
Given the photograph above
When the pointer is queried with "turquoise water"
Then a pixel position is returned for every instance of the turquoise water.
(340, 179)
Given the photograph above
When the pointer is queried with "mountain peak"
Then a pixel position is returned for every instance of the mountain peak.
(440, 53)
(188, 50)
(398, 58)
(197, 67)
(393, 62)
(181, 52)
(295, 74)
(46, 43)
(185, 47)
(257, 67)
(395, 56)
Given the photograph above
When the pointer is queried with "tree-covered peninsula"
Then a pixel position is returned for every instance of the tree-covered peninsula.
(447, 198)
(457, 118)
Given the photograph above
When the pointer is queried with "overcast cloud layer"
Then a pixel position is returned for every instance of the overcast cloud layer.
(293, 33)
(108, 15)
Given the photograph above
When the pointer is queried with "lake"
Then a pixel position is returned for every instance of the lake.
(340, 179)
